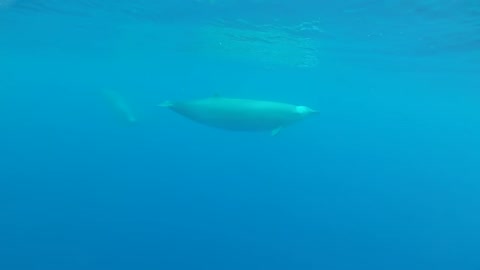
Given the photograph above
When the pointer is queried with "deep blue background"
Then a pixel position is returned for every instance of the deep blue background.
(386, 177)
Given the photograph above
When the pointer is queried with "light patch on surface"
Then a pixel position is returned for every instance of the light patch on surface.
(267, 45)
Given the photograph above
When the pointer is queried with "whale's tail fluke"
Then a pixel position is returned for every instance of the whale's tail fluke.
(120, 105)
(165, 104)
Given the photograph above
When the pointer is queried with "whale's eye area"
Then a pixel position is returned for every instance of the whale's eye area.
(302, 110)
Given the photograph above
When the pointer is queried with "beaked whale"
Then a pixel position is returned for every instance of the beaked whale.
(240, 114)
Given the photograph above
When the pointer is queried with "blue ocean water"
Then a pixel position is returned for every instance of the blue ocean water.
(386, 176)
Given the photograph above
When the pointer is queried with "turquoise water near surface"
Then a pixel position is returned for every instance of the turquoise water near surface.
(385, 177)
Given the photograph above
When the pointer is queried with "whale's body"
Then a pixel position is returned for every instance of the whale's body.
(240, 114)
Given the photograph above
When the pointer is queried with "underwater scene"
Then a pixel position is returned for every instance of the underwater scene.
(239, 134)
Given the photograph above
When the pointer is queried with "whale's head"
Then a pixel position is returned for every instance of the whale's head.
(304, 111)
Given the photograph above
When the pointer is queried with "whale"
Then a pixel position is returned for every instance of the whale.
(237, 114)
(120, 105)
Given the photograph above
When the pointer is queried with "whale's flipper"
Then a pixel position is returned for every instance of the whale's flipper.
(120, 105)
(276, 131)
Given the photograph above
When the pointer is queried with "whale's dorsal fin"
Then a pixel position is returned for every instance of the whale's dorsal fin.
(276, 131)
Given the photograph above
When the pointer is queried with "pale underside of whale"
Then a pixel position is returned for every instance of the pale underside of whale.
(240, 114)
